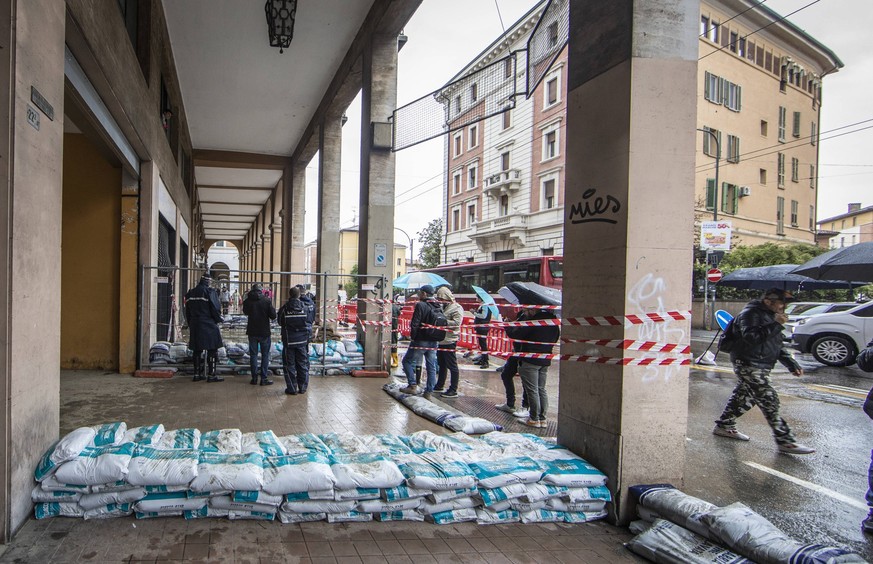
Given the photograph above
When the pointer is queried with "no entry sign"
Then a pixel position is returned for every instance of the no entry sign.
(713, 275)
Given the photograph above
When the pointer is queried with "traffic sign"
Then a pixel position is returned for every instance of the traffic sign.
(722, 318)
(713, 275)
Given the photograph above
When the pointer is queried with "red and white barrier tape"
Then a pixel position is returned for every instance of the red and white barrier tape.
(645, 361)
(631, 345)
(378, 323)
(660, 317)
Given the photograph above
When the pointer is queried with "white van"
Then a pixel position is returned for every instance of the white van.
(835, 338)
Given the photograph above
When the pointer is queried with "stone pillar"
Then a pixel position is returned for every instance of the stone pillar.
(631, 120)
(298, 218)
(281, 287)
(329, 162)
(128, 274)
(376, 232)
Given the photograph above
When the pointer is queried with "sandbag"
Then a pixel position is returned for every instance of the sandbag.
(318, 506)
(429, 508)
(357, 494)
(148, 435)
(490, 496)
(563, 468)
(454, 516)
(410, 515)
(440, 496)
(320, 495)
(388, 445)
(587, 506)
(96, 500)
(668, 543)
(575, 495)
(427, 441)
(304, 444)
(506, 471)
(110, 511)
(675, 506)
(217, 471)
(225, 441)
(109, 434)
(365, 471)
(179, 438)
(436, 471)
(344, 443)
(257, 497)
(263, 442)
(486, 516)
(51, 484)
(381, 506)
(67, 448)
(287, 517)
(55, 509)
(226, 502)
(541, 516)
(172, 502)
(541, 492)
(349, 517)
(154, 467)
(97, 465)
(403, 492)
(297, 473)
(39, 495)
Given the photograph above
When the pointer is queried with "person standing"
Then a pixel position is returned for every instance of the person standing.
(396, 310)
(865, 363)
(534, 371)
(224, 298)
(447, 361)
(507, 376)
(757, 332)
(295, 319)
(421, 343)
(203, 312)
(481, 319)
(260, 311)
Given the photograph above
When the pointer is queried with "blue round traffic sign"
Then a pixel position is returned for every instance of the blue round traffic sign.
(723, 318)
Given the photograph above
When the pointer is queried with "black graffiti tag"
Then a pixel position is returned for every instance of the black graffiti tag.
(587, 209)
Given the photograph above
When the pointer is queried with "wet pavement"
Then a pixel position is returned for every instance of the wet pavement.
(818, 498)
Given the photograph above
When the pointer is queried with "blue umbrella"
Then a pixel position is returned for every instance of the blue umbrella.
(488, 301)
(415, 280)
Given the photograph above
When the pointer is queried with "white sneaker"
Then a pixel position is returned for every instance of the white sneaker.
(796, 448)
(730, 433)
(504, 407)
(521, 413)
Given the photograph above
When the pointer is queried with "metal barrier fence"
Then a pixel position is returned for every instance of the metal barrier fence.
(164, 334)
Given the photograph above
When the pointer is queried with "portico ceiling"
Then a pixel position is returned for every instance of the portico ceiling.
(242, 96)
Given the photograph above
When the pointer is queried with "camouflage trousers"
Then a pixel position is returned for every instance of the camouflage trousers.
(754, 388)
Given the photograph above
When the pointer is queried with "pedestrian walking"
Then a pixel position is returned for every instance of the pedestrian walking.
(203, 312)
(423, 342)
(260, 311)
(396, 310)
(865, 363)
(224, 298)
(534, 371)
(507, 375)
(756, 344)
(295, 320)
(447, 361)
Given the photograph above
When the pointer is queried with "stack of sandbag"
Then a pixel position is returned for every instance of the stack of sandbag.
(449, 419)
(110, 471)
(180, 353)
(679, 528)
(159, 353)
(237, 353)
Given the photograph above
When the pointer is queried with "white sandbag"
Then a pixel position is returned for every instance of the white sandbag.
(403, 492)
(428, 508)
(523, 506)
(668, 543)
(349, 517)
(298, 473)
(110, 511)
(488, 517)
(439, 496)
(506, 471)
(39, 495)
(385, 444)
(399, 516)
(640, 526)
(449, 517)
(647, 514)
(217, 471)
(168, 489)
(192, 493)
(364, 471)
(675, 506)
(541, 516)
(45, 510)
(304, 444)
(172, 502)
(179, 438)
(427, 441)
(575, 495)
(225, 502)
(147, 435)
(156, 514)
(257, 497)
(263, 442)
(344, 443)
(109, 434)
(154, 467)
(469, 425)
(435, 471)
(526, 441)
(51, 484)
(97, 465)
(96, 500)
(207, 512)
(748, 533)
(225, 441)
(583, 516)
(251, 515)
(320, 495)
(287, 517)
(564, 468)
(357, 494)
(318, 506)
(586, 506)
(381, 506)
(541, 492)
(490, 496)
(68, 448)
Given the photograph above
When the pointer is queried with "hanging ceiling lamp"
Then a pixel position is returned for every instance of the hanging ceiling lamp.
(280, 22)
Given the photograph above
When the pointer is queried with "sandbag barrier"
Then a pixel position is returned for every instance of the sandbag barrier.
(452, 420)
(678, 528)
(109, 471)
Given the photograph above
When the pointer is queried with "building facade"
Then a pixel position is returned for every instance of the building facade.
(759, 102)
(850, 228)
(348, 254)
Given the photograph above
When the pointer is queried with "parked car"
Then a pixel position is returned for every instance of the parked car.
(799, 310)
(835, 338)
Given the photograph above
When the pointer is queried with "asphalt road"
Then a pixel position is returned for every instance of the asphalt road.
(817, 498)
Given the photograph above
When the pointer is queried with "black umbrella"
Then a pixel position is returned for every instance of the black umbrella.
(779, 276)
(847, 263)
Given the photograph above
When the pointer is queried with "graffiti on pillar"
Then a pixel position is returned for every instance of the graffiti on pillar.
(645, 296)
(595, 208)
(130, 220)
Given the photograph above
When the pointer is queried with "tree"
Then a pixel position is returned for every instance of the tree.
(431, 238)
(351, 286)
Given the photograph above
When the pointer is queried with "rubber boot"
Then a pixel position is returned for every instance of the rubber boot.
(418, 375)
(211, 362)
(198, 368)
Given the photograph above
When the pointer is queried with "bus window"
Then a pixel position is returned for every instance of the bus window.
(488, 279)
(514, 274)
(556, 268)
(465, 283)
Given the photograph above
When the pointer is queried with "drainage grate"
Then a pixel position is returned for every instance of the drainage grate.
(478, 406)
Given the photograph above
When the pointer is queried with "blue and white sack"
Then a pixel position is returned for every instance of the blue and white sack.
(225, 441)
(217, 472)
(504, 471)
(97, 500)
(226, 502)
(65, 449)
(154, 467)
(173, 503)
(45, 510)
(109, 434)
(436, 471)
(304, 444)
(486, 516)
(490, 496)
(180, 438)
(263, 442)
(97, 465)
(404, 492)
(39, 495)
(297, 473)
(287, 517)
(449, 517)
(147, 435)
(349, 517)
(428, 508)
(381, 506)
(257, 497)
(399, 516)
(364, 471)
(563, 468)
(110, 511)
(357, 494)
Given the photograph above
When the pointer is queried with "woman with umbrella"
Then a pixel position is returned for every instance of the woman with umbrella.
(482, 318)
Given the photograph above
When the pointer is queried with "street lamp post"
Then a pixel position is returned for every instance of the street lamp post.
(706, 317)
(410, 244)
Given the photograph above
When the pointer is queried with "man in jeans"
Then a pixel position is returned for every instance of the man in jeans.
(260, 311)
(420, 343)
(758, 333)
(447, 362)
(534, 371)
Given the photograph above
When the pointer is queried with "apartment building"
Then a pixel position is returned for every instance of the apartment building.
(759, 102)
(850, 228)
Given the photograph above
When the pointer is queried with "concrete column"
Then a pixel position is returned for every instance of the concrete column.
(376, 232)
(329, 162)
(298, 217)
(276, 238)
(127, 275)
(631, 114)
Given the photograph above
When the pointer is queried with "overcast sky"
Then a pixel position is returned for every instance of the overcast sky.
(441, 43)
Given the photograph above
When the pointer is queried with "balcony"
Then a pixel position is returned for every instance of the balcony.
(504, 182)
(511, 228)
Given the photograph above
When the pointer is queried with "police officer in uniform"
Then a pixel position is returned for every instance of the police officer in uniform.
(203, 311)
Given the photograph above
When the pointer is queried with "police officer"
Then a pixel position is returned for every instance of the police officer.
(203, 311)
(295, 320)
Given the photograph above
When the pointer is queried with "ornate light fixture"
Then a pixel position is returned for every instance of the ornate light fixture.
(280, 22)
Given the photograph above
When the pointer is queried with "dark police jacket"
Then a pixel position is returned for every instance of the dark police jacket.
(260, 311)
(203, 313)
(295, 320)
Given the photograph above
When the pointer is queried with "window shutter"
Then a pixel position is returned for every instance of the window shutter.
(739, 97)
(706, 94)
(710, 194)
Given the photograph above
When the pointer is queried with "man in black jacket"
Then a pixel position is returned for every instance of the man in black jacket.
(533, 371)
(421, 343)
(260, 311)
(203, 312)
(759, 345)
(295, 319)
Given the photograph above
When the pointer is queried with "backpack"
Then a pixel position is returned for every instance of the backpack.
(729, 339)
(865, 358)
(438, 318)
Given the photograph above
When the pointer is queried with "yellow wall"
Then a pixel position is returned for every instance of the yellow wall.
(89, 263)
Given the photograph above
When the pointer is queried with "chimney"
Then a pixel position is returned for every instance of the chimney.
(853, 207)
